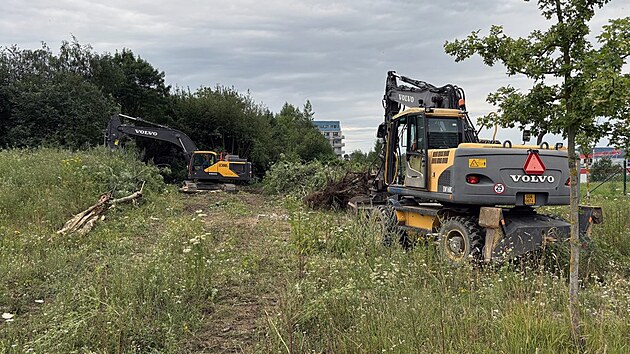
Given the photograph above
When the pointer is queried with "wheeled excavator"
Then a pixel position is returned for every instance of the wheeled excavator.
(479, 198)
(206, 169)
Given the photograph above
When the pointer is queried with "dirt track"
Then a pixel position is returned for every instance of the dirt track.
(246, 229)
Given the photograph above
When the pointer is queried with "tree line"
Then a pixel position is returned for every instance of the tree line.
(66, 98)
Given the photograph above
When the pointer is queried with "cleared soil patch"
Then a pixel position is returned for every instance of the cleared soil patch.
(246, 226)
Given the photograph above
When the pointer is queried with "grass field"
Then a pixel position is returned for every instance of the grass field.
(247, 272)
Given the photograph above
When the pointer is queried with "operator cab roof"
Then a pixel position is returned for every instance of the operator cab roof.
(432, 112)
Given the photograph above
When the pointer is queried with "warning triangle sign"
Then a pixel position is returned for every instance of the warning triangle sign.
(534, 164)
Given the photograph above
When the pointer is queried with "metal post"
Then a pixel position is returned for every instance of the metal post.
(625, 176)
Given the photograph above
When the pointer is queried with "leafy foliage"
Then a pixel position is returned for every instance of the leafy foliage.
(137, 87)
(368, 160)
(593, 83)
(298, 179)
(603, 169)
(66, 99)
(223, 120)
(45, 99)
(295, 133)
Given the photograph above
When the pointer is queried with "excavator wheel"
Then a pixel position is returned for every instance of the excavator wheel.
(384, 219)
(461, 240)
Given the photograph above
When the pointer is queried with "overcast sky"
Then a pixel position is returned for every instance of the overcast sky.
(334, 53)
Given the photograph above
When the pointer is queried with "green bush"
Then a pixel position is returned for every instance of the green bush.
(298, 178)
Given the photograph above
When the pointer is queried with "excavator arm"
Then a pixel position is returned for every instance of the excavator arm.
(419, 94)
(117, 130)
(205, 168)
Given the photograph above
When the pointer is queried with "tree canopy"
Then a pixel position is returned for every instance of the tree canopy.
(66, 99)
(604, 169)
(576, 84)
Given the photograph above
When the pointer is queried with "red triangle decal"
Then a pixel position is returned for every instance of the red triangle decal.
(534, 165)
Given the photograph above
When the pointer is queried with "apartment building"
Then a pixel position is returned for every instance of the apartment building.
(331, 129)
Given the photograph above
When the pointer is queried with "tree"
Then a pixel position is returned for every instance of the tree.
(603, 169)
(297, 137)
(134, 83)
(47, 99)
(222, 119)
(367, 160)
(575, 86)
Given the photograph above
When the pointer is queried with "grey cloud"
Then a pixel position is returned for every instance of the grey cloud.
(334, 53)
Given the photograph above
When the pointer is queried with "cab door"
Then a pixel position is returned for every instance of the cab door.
(416, 155)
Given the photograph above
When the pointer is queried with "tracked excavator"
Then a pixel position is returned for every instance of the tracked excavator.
(478, 198)
(207, 170)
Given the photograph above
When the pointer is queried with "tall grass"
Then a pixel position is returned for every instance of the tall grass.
(349, 295)
(122, 288)
(148, 278)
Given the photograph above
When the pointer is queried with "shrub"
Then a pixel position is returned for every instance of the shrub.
(296, 178)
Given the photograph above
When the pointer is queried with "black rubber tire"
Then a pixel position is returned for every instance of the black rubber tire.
(384, 218)
(461, 240)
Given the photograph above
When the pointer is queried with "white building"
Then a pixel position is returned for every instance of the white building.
(331, 129)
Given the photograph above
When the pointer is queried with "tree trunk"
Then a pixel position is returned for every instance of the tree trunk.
(574, 306)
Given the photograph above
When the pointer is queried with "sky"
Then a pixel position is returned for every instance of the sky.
(334, 53)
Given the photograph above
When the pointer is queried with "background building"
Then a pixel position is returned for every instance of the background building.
(617, 156)
(332, 131)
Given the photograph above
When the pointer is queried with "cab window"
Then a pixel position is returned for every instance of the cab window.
(415, 134)
(202, 161)
(444, 133)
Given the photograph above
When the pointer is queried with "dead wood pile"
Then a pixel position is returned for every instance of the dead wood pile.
(83, 222)
(337, 193)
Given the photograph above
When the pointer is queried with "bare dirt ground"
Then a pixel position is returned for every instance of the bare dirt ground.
(247, 228)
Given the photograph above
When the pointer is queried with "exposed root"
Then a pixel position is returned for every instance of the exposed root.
(337, 194)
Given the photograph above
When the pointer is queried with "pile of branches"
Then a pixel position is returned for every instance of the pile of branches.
(337, 193)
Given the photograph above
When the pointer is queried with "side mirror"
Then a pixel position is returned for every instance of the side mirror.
(382, 131)
(527, 135)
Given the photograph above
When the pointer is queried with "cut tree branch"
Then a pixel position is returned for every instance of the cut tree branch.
(83, 222)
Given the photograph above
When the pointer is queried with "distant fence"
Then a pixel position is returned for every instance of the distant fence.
(624, 171)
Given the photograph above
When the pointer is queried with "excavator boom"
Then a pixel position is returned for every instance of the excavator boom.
(117, 130)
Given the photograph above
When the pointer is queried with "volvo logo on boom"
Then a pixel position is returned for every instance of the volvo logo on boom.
(406, 98)
(532, 179)
(146, 132)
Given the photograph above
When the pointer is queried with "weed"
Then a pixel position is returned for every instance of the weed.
(353, 296)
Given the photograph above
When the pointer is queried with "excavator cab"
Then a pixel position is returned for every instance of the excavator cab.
(422, 133)
(202, 160)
